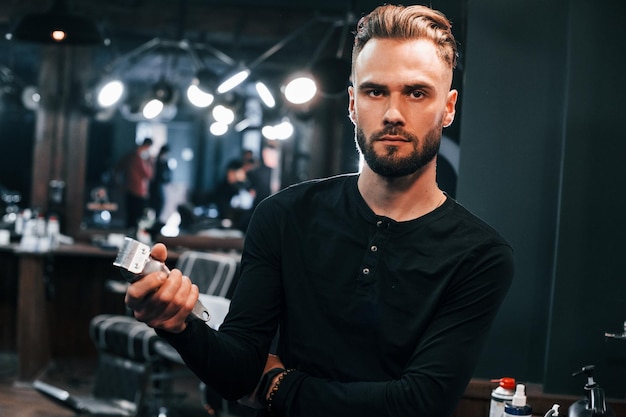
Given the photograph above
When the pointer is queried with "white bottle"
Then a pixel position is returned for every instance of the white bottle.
(518, 407)
(503, 393)
(53, 231)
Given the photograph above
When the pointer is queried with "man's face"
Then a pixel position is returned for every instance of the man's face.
(399, 103)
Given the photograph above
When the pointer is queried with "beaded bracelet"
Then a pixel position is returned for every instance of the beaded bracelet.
(266, 383)
(274, 390)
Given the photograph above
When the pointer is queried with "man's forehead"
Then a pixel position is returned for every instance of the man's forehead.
(416, 60)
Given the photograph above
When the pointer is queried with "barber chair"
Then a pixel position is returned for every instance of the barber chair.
(213, 272)
(136, 368)
(127, 363)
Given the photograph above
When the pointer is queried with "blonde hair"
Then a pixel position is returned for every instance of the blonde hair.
(407, 22)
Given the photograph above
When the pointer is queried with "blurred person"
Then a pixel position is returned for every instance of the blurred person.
(137, 169)
(248, 160)
(232, 196)
(162, 177)
(265, 177)
(380, 288)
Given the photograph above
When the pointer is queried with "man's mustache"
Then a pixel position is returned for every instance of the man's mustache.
(394, 131)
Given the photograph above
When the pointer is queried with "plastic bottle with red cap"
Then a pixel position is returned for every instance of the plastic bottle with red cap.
(499, 396)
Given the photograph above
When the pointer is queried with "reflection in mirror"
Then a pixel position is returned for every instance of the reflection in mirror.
(204, 181)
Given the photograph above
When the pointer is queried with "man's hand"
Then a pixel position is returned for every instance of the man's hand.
(160, 300)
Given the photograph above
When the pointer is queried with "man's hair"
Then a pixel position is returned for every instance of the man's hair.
(407, 22)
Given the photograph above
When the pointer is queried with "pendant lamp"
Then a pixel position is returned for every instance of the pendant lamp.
(57, 26)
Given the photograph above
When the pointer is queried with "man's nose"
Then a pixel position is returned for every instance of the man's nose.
(393, 113)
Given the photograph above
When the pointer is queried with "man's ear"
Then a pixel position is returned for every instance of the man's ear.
(351, 112)
(448, 117)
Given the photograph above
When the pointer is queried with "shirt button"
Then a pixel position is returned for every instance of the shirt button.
(379, 223)
(374, 248)
(366, 271)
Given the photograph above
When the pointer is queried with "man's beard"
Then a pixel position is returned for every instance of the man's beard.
(390, 164)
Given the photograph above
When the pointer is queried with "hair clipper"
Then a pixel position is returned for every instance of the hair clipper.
(135, 261)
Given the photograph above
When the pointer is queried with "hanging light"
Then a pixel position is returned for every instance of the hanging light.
(218, 128)
(163, 97)
(152, 109)
(31, 97)
(280, 131)
(164, 91)
(300, 90)
(110, 93)
(200, 91)
(205, 80)
(56, 26)
(265, 94)
(199, 98)
(233, 81)
(223, 114)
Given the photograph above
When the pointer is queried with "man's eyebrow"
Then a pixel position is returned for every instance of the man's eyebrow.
(371, 85)
(418, 86)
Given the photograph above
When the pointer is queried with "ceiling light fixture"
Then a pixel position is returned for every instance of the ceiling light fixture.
(300, 90)
(31, 97)
(233, 80)
(199, 98)
(200, 91)
(243, 72)
(280, 131)
(152, 109)
(329, 77)
(265, 94)
(56, 26)
(218, 128)
(110, 93)
(223, 114)
(164, 96)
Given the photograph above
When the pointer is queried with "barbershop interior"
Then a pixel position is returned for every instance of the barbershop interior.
(233, 101)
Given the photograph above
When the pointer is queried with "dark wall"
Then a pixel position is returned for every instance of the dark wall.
(542, 160)
(589, 281)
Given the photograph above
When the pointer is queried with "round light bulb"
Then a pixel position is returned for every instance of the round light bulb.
(152, 109)
(300, 90)
(199, 98)
(218, 128)
(223, 114)
(110, 93)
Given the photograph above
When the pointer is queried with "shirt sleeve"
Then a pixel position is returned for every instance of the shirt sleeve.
(232, 359)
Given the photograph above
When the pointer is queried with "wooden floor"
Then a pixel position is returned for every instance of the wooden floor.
(19, 399)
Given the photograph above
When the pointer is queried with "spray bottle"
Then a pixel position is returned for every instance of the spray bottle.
(503, 393)
(518, 407)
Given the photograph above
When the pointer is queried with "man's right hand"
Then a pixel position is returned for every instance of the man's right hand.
(160, 300)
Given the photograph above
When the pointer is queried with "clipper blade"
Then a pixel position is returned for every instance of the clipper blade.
(132, 256)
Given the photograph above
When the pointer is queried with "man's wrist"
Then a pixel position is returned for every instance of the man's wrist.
(276, 382)
(266, 384)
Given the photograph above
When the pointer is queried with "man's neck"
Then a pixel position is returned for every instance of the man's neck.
(403, 198)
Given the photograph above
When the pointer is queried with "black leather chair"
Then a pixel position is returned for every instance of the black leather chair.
(123, 382)
(136, 368)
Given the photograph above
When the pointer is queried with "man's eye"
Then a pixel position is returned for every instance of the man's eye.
(417, 94)
(375, 93)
